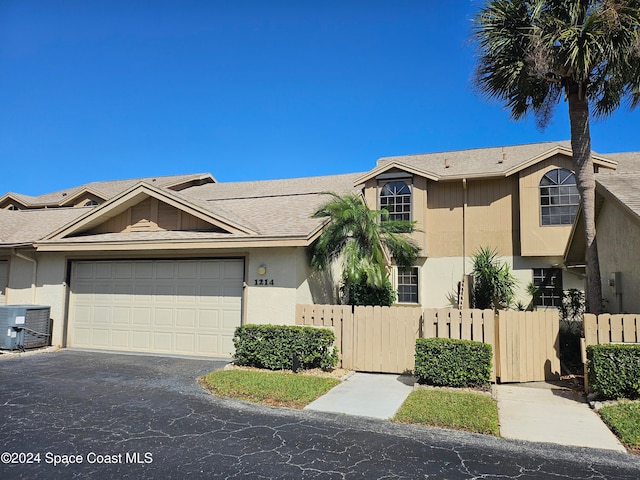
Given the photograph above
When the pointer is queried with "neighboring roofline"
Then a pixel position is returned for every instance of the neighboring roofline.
(79, 193)
(608, 195)
(197, 176)
(601, 190)
(16, 197)
(92, 217)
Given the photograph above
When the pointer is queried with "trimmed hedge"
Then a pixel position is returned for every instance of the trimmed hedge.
(273, 347)
(449, 362)
(614, 370)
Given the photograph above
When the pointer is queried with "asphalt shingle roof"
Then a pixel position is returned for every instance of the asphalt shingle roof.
(283, 208)
(625, 187)
(479, 161)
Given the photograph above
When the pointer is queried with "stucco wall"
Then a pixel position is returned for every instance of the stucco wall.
(618, 238)
(272, 297)
(439, 277)
(50, 289)
(537, 239)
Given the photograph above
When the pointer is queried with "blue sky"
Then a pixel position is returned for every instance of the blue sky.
(245, 90)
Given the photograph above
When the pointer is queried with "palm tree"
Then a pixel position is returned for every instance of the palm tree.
(364, 240)
(533, 52)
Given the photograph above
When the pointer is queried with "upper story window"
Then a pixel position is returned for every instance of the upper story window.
(11, 206)
(559, 198)
(395, 197)
(90, 203)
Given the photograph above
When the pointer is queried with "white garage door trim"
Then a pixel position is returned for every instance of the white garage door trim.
(179, 307)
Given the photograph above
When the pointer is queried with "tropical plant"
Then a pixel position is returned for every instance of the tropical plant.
(365, 241)
(360, 293)
(531, 53)
(493, 283)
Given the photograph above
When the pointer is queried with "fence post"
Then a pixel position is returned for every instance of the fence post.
(590, 328)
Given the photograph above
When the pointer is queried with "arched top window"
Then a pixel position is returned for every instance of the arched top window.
(395, 197)
(559, 198)
(90, 203)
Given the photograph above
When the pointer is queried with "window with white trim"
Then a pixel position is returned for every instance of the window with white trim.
(548, 281)
(408, 285)
(395, 197)
(559, 197)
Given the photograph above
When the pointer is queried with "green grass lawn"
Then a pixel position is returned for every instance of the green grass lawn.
(624, 420)
(472, 412)
(280, 389)
(458, 410)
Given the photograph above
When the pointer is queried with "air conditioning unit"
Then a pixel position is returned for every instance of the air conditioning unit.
(24, 326)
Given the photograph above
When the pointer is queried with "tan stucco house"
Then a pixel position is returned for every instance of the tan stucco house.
(618, 236)
(172, 265)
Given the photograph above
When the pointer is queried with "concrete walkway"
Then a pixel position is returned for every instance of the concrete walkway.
(535, 412)
(367, 395)
(547, 412)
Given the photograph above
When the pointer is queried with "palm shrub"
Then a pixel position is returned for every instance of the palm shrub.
(364, 241)
(493, 283)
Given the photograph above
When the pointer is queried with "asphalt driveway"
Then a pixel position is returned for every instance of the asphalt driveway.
(75, 414)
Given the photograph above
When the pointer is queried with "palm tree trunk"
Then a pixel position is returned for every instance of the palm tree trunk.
(585, 180)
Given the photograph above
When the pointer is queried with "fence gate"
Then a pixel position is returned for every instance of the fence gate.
(528, 346)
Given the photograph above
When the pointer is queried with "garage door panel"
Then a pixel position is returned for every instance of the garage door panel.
(121, 316)
(104, 270)
(100, 336)
(141, 316)
(209, 319)
(185, 342)
(141, 340)
(162, 341)
(123, 271)
(120, 338)
(185, 317)
(179, 306)
(165, 270)
(143, 270)
(188, 271)
(102, 315)
(163, 317)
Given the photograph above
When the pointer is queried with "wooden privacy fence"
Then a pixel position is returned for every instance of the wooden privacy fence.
(528, 346)
(382, 339)
(606, 328)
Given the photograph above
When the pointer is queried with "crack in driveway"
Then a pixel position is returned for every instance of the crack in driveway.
(150, 416)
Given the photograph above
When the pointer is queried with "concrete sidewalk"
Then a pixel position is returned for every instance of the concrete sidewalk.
(535, 412)
(366, 394)
(551, 412)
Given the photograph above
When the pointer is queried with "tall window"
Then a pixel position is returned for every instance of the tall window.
(395, 197)
(559, 198)
(549, 284)
(408, 285)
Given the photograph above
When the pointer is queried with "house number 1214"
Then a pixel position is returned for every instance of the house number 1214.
(263, 282)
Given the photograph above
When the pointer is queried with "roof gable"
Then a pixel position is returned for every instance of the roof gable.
(133, 210)
(498, 162)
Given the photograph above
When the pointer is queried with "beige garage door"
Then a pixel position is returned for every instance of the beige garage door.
(186, 307)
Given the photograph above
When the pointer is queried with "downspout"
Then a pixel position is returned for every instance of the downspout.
(464, 227)
(34, 274)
